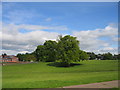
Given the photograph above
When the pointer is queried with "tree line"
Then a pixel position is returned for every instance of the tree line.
(104, 56)
(65, 49)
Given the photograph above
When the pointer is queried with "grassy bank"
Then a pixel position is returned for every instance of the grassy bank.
(41, 75)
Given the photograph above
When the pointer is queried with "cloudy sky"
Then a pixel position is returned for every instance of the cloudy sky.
(26, 25)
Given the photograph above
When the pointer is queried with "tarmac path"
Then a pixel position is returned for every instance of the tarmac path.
(108, 84)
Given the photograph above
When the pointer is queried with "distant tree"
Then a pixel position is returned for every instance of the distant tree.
(68, 49)
(26, 57)
(92, 55)
(20, 57)
(29, 57)
(107, 56)
(83, 55)
(118, 57)
(115, 57)
(99, 56)
(4, 54)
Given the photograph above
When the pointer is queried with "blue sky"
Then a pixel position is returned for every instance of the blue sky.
(74, 15)
(92, 20)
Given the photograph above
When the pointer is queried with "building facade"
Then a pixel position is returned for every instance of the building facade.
(8, 58)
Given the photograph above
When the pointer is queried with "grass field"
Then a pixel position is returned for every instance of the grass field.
(40, 75)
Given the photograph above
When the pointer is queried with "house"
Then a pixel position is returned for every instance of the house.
(8, 58)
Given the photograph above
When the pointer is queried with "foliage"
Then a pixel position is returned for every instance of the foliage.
(92, 55)
(39, 53)
(26, 57)
(4, 54)
(118, 56)
(83, 55)
(50, 50)
(46, 52)
(104, 56)
(20, 56)
(29, 57)
(67, 49)
(107, 56)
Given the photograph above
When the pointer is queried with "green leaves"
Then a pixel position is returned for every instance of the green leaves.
(65, 50)
(39, 52)
(83, 55)
(68, 49)
(26, 57)
(46, 52)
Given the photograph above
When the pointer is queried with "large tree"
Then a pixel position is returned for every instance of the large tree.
(47, 51)
(67, 49)
(50, 50)
(40, 53)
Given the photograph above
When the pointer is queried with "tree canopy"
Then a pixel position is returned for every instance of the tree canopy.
(26, 57)
(68, 49)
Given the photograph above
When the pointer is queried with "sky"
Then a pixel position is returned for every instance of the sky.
(25, 25)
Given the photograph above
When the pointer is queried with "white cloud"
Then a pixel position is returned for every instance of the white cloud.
(23, 52)
(90, 40)
(9, 52)
(48, 19)
(15, 41)
(109, 49)
(7, 28)
(116, 39)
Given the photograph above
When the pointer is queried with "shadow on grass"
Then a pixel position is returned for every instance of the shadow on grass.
(62, 64)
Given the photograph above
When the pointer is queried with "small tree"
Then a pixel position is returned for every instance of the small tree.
(26, 57)
(3, 55)
(107, 56)
(92, 55)
(20, 56)
(83, 55)
(115, 57)
(118, 57)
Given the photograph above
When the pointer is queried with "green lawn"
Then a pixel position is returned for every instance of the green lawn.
(40, 75)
